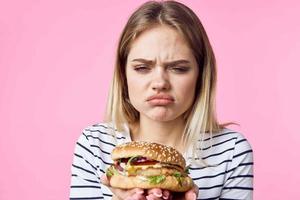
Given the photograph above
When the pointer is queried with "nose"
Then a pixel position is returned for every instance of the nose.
(160, 80)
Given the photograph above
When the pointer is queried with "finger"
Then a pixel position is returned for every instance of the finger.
(166, 194)
(190, 196)
(104, 180)
(192, 193)
(152, 197)
(196, 190)
(157, 192)
(127, 194)
(137, 196)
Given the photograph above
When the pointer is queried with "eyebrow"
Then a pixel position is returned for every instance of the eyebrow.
(150, 62)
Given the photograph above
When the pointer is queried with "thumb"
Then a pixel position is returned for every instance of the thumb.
(192, 193)
(104, 180)
(190, 196)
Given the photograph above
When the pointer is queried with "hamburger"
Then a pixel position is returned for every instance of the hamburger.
(148, 165)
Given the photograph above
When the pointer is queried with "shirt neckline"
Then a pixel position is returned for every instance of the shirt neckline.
(128, 138)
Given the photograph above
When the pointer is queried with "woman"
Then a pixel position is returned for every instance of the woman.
(163, 91)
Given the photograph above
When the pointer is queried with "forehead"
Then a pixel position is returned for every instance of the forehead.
(161, 42)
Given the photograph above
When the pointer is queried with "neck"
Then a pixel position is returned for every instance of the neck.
(167, 133)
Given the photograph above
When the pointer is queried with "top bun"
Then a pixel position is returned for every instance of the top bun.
(151, 150)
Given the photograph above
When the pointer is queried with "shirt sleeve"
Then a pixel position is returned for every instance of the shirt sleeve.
(239, 179)
(85, 181)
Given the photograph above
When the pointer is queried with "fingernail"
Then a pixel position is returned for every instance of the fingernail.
(165, 195)
(158, 194)
(140, 191)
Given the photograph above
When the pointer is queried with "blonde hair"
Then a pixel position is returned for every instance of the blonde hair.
(201, 116)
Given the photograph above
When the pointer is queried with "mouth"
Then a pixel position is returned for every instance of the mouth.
(160, 100)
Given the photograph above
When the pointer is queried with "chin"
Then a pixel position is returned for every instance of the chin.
(164, 118)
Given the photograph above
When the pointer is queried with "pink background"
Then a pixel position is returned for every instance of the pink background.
(56, 62)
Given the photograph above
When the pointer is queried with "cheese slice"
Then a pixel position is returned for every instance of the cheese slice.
(135, 167)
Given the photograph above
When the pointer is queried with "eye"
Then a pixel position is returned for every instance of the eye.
(143, 68)
(179, 69)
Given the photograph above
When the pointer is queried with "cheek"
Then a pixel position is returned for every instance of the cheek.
(131, 89)
(135, 86)
(186, 89)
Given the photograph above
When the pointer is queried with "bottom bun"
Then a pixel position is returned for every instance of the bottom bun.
(170, 183)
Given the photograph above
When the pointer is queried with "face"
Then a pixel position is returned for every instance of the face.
(161, 74)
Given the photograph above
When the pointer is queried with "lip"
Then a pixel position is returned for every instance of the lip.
(160, 97)
(160, 100)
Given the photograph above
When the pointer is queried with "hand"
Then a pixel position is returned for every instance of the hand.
(118, 194)
(158, 194)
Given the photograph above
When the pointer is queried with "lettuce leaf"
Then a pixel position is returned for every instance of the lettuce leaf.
(111, 171)
(179, 177)
(186, 170)
(156, 179)
(130, 160)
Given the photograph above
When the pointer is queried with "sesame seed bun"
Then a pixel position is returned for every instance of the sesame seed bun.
(150, 150)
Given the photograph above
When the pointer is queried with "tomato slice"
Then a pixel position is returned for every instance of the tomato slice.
(139, 161)
(146, 162)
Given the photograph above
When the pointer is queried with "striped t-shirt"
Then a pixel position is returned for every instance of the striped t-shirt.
(227, 175)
